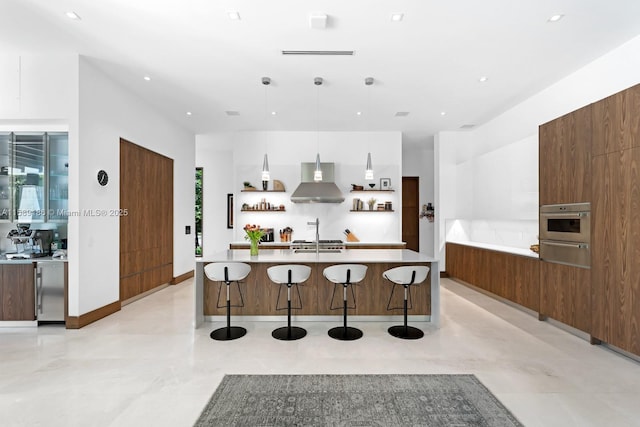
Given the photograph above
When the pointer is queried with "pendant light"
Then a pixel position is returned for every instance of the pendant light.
(266, 81)
(368, 173)
(317, 173)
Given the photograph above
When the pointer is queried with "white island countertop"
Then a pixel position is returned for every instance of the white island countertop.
(345, 256)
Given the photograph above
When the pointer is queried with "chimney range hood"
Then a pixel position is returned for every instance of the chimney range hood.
(325, 191)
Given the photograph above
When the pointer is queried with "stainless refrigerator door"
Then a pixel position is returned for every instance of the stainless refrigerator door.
(50, 291)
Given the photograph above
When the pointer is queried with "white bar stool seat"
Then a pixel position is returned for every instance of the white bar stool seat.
(346, 275)
(289, 275)
(408, 275)
(227, 273)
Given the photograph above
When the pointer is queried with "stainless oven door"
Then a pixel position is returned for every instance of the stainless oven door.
(568, 253)
(566, 223)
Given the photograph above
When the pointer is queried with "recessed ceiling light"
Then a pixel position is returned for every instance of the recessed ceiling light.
(232, 113)
(73, 15)
(443, 113)
(147, 78)
(273, 113)
(397, 17)
(483, 79)
(233, 15)
(188, 113)
(402, 114)
(358, 113)
(555, 18)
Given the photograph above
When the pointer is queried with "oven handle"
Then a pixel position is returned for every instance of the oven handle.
(565, 215)
(566, 245)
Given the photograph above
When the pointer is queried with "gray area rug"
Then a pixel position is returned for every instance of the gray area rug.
(354, 400)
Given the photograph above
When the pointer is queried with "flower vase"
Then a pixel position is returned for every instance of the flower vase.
(254, 248)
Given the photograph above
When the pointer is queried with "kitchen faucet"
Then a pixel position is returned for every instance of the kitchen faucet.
(317, 224)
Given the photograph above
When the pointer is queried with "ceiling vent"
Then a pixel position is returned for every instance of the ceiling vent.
(467, 126)
(319, 52)
(232, 113)
(402, 114)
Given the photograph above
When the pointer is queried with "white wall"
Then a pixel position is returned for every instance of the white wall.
(491, 172)
(107, 113)
(286, 150)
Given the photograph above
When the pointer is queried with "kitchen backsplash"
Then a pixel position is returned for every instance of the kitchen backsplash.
(511, 233)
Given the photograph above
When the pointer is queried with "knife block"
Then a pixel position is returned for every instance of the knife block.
(352, 238)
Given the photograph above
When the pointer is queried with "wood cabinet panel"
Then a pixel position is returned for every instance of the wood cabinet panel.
(565, 294)
(372, 294)
(565, 158)
(513, 277)
(616, 122)
(146, 232)
(616, 249)
(17, 292)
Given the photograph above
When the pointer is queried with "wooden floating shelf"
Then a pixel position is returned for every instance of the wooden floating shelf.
(262, 210)
(374, 210)
(372, 191)
(262, 191)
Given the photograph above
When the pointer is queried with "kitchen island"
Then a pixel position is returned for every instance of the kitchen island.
(372, 294)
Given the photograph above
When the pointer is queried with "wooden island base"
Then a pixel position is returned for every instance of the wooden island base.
(372, 294)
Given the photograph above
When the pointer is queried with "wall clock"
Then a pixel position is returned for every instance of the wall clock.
(103, 178)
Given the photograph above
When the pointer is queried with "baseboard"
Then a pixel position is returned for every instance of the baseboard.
(77, 322)
(444, 275)
(182, 277)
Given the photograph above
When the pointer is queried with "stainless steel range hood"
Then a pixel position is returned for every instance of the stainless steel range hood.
(325, 191)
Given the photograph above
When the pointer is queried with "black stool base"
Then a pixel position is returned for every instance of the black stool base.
(283, 333)
(228, 333)
(406, 332)
(345, 334)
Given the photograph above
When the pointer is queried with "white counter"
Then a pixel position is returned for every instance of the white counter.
(498, 248)
(346, 256)
(286, 256)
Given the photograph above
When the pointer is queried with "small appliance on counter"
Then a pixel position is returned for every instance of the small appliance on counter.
(268, 235)
(29, 243)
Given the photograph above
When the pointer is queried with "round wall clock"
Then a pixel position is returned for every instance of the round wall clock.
(103, 177)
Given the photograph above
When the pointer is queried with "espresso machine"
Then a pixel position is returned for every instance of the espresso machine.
(29, 243)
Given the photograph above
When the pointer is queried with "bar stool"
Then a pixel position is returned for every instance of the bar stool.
(405, 276)
(228, 272)
(346, 275)
(289, 275)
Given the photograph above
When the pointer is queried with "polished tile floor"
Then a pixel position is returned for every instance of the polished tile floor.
(146, 366)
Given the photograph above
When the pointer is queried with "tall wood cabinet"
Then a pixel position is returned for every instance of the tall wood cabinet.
(615, 229)
(565, 158)
(146, 220)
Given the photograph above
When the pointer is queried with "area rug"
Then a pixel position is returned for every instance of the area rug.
(354, 401)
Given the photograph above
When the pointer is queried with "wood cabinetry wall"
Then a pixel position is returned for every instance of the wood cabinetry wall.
(509, 276)
(615, 229)
(146, 230)
(565, 158)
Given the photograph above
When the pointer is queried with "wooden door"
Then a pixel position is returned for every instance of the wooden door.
(146, 220)
(410, 211)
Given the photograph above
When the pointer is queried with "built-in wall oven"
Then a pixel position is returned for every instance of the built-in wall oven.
(565, 234)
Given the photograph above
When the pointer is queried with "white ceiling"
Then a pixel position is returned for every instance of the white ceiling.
(201, 61)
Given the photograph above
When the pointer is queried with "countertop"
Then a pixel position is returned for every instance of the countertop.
(346, 244)
(499, 248)
(346, 256)
(4, 260)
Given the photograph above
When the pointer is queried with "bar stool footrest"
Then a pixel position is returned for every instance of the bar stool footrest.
(228, 333)
(345, 334)
(285, 335)
(406, 332)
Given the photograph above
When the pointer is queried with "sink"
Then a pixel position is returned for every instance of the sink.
(322, 251)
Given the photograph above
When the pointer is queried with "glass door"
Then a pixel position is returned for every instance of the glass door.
(28, 177)
(58, 168)
(5, 176)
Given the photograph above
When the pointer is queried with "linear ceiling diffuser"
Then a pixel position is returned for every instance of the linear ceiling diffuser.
(318, 52)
